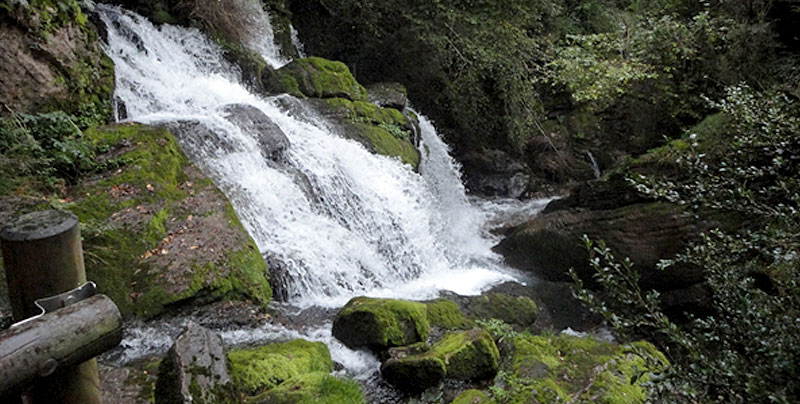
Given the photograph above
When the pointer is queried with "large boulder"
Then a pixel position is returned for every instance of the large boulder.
(379, 324)
(492, 172)
(462, 355)
(194, 369)
(472, 397)
(319, 78)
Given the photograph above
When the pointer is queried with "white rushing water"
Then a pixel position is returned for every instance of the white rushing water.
(344, 221)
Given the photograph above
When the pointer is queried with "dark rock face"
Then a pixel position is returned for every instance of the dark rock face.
(56, 66)
(388, 95)
(194, 367)
(279, 278)
(495, 173)
(631, 225)
(271, 138)
(646, 232)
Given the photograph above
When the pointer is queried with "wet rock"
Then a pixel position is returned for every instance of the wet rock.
(271, 139)
(461, 355)
(645, 232)
(193, 369)
(495, 173)
(279, 278)
(379, 324)
(388, 95)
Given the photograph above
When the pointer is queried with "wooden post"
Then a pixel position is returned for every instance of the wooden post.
(42, 256)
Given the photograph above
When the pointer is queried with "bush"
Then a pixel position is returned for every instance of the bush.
(747, 350)
(43, 151)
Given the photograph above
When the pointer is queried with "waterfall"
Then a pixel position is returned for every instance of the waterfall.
(342, 220)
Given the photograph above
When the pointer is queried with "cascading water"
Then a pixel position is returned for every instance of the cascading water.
(343, 221)
(367, 225)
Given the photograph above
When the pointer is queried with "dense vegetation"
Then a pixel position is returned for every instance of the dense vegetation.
(620, 78)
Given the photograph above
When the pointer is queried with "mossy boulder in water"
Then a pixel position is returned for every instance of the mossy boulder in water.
(319, 78)
(379, 324)
(565, 368)
(313, 388)
(461, 355)
(259, 369)
(446, 314)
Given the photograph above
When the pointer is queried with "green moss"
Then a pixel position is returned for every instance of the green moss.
(320, 78)
(318, 387)
(387, 144)
(462, 355)
(549, 369)
(520, 311)
(259, 369)
(469, 355)
(446, 314)
(471, 397)
(149, 185)
(381, 323)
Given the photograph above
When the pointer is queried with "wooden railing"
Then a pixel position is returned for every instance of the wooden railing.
(61, 323)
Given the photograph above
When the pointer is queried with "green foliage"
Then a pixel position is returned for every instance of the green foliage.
(745, 350)
(50, 14)
(43, 151)
(567, 369)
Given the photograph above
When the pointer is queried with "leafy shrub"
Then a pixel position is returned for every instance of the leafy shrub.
(747, 350)
(43, 150)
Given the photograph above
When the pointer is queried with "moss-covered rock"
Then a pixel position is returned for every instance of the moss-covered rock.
(384, 130)
(379, 324)
(258, 369)
(313, 388)
(515, 310)
(462, 355)
(157, 231)
(446, 314)
(472, 397)
(319, 78)
(562, 368)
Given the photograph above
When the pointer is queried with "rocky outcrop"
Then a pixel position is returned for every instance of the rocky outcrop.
(631, 225)
(51, 60)
(319, 78)
(493, 172)
(462, 355)
(194, 368)
(379, 324)
(388, 95)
